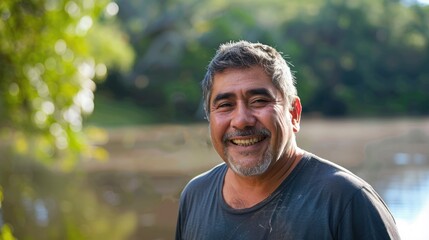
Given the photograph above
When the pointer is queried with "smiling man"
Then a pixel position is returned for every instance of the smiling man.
(269, 188)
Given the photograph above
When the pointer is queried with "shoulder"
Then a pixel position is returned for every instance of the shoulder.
(207, 177)
(345, 188)
(333, 178)
(205, 181)
(355, 207)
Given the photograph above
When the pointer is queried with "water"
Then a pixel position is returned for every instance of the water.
(406, 193)
(135, 194)
(398, 168)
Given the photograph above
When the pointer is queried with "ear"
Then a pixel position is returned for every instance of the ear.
(296, 114)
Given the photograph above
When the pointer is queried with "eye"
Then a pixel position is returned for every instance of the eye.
(259, 102)
(224, 105)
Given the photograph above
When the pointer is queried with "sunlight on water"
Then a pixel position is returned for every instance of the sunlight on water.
(407, 195)
(398, 168)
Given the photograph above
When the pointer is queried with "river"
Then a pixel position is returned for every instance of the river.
(134, 195)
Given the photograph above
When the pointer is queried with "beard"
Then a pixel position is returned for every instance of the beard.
(269, 157)
(261, 166)
(258, 169)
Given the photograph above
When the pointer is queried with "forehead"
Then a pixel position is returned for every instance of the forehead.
(235, 80)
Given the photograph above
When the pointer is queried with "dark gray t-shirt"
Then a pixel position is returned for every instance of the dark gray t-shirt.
(318, 200)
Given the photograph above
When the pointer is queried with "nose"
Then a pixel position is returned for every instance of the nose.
(242, 117)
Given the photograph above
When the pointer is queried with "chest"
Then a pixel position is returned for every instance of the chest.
(284, 217)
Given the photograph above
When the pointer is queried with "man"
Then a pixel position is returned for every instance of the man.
(269, 188)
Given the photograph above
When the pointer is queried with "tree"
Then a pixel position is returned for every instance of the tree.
(51, 52)
(360, 59)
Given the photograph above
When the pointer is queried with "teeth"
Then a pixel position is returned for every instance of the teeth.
(247, 142)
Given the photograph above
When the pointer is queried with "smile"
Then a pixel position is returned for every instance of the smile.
(247, 142)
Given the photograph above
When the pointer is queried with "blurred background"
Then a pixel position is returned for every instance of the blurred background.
(101, 121)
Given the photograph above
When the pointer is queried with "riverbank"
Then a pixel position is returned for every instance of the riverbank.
(186, 149)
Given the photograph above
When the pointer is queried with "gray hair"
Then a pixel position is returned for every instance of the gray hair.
(244, 54)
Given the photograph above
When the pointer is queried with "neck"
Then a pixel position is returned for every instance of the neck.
(246, 191)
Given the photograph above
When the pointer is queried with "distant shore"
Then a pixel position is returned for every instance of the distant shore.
(186, 149)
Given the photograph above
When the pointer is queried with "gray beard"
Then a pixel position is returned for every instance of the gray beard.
(259, 169)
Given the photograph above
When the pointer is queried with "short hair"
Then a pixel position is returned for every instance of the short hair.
(244, 54)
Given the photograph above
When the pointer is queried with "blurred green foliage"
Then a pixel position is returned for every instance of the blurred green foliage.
(51, 54)
(350, 58)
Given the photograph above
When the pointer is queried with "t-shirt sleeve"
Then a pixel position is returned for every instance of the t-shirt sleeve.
(181, 213)
(178, 235)
(367, 217)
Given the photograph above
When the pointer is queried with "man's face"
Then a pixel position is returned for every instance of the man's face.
(250, 124)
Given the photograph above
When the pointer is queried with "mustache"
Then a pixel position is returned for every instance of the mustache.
(246, 132)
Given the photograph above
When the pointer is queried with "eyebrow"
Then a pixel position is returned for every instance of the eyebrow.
(260, 91)
(256, 91)
(222, 96)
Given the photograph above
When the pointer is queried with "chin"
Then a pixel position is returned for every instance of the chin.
(261, 167)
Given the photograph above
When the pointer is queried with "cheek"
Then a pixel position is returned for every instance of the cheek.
(275, 117)
(218, 127)
(281, 119)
